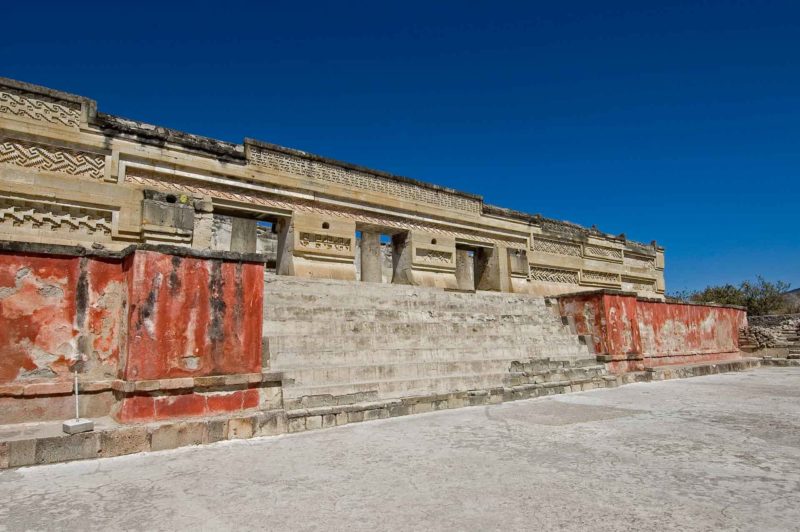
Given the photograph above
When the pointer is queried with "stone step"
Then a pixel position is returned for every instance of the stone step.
(285, 360)
(322, 292)
(381, 328)
(366, 313)
(414, 340)
(293, 285)
(349, 302)
(389, 389)
(310, 376)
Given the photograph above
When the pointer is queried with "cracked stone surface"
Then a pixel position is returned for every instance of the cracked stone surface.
(709, 453)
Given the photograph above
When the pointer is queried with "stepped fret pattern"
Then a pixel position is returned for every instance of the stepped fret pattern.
(16, 215)
(76, 163)
(556, 248)
(600, 277)
(40, 109)
(603, 252)
(375, 183)
(197, 187)
(553, 275)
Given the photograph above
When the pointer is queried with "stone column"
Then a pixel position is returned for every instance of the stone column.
(492, 269)
(243, 235)
(371, 257)
(465, 270)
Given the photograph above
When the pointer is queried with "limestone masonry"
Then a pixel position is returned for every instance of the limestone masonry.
(72, 175)
(205, 290)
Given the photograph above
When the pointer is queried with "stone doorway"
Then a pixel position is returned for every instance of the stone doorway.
(374, 256)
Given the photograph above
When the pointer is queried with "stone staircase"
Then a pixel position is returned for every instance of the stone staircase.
(780, 333)
(340, 342)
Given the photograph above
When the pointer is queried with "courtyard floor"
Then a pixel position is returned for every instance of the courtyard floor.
(709, 453)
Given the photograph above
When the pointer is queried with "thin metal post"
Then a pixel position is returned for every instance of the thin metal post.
(77, 407)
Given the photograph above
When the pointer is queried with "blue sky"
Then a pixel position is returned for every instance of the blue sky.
(678, 122)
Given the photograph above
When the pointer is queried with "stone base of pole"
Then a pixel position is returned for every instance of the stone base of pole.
(75, 426)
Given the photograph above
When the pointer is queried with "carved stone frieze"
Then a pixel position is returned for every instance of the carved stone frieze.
(432, 256)
(40, 108)
(50, 159)
(590, 276)
(556, 247)
(640, 261)
(329, 242)
(602, 252)
(331, 173)
(29, 216)
(553, 275)
(198, 188)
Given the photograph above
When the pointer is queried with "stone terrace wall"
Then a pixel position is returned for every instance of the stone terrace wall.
(633, 334)
(154, 335)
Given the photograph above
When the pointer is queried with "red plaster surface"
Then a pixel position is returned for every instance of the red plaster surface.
(106, 310)
(149, 316)
(192, 317)
(141, 408)
(641, 333)
(37, 313)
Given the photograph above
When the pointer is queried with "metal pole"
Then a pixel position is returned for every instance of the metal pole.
(77, 410)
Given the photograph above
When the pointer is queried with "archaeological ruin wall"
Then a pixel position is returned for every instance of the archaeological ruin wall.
(71, 175)
(203, 290)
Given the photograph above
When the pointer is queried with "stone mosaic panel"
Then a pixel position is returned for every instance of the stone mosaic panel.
(40, 108)
(602, 252)
(343, 176)
(553, 275)
(556, 247)
(39, 157)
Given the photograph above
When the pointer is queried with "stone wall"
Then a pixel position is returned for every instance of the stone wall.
(152, 334)
(71, 175)
(632, 333)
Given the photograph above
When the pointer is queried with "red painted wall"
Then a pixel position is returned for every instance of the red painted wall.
(148, 316)
(192, 317)
(55, 310)
(639, 333)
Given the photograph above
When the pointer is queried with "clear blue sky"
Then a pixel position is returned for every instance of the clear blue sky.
(678, 122)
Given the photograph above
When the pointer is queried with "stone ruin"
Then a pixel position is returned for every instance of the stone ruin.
(258, 289)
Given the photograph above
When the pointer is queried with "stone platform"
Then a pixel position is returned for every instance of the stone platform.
(45, 443)
(710, 453)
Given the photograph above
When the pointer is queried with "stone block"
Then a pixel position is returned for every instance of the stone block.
(355, 417)
(421, 408)
(399, 410)
(48, 388)
(176, 384)
(76, 426)
(270, 423)
(313, 422)
(328, 420)
(212, 381)
(4, 452)
(297, 424)
(21, 453)
(174, 435)
(217, 430)
(240, 428)
(342, 418)
(440, 404)
(456, 401)
(66, 448)
(376, 413)
(124, 440)
(147, 386)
